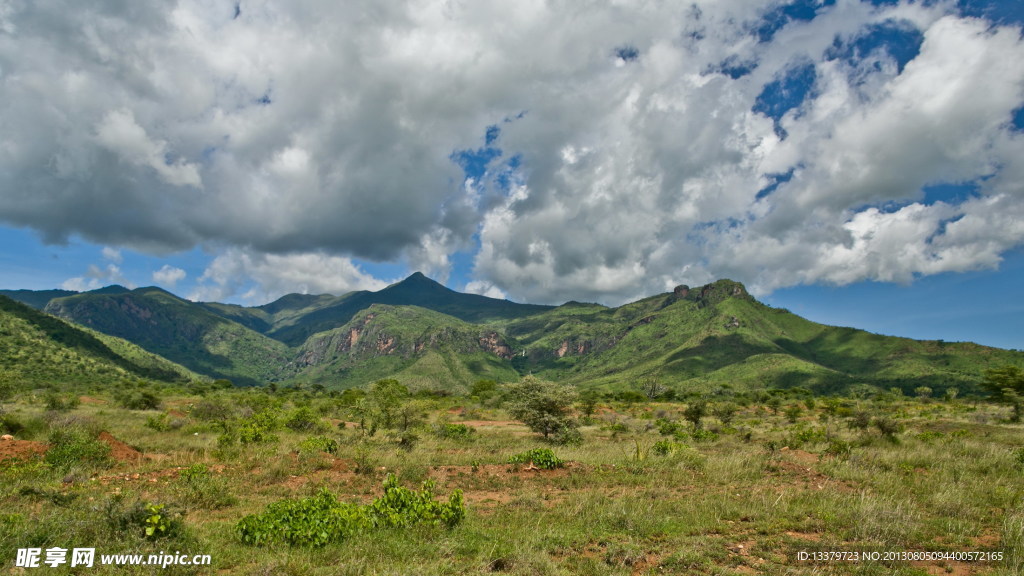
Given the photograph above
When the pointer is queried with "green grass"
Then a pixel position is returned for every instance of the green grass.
(951, 481)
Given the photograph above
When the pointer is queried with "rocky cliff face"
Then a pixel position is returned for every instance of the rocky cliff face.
(398, 332)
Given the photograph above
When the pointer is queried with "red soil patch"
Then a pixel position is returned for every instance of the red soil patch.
(21, 449)
(119, 450)
(177, 413)
(483, 423)
(91, 400)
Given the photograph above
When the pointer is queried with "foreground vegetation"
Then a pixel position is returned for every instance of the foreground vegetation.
(384, 482)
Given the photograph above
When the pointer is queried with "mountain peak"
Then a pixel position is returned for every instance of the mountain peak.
(418, 281)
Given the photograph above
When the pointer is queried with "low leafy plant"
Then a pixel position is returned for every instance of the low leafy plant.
(157, 524)
(321, 519)
(61, 402)
(702, 435)
(159, 422)
(302, 420)
(197, 486)
(666, 447)
(453, 431)
(76, 446)
(317, 444)
(1018, 458)
(141, 400)
(838, 449)
(540, 457)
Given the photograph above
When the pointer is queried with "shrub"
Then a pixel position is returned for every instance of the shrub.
(316, 444)
(545, 407)
(302, 420)
(839, 449)
(322, 519)
(76, 446)
(160, 423)
(667, 427)
(257, 428)
(1018, 458)
(142, 400)
(61, 402)
(701, 435)
(696, 412)
(888, 427)
(666, 447)
(540, 457)
(198, 487)
(147, 519)
(212, 409)
(453, 431)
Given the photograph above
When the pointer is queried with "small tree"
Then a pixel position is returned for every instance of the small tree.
(385, 400)
(1006, 385)
(545, 407)
(652, 388)
(793, 412)
(696, 412)
(725, 412)
(588, 403)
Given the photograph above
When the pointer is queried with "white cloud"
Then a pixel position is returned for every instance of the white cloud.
(258, 278)
(169, 276)
(301, 145)
(96, 277)
(112, 254)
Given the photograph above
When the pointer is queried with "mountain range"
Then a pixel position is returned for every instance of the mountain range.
(428, 336)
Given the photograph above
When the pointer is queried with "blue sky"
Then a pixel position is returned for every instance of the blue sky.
(853, 161)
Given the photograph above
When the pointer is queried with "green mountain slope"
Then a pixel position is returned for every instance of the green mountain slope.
(180, 331)
(421, 347)
(38, 350)
(36, 298)
(719, 335)
(299, 317)
(703, 338)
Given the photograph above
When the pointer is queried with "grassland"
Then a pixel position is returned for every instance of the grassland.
(644, 493)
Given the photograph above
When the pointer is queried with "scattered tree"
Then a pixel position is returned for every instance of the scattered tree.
(652, 388)
(385, 400)
(725, 412)
(545, 407)
(1006, 385)
(696, 412)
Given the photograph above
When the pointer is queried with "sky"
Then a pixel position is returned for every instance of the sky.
(858, 162)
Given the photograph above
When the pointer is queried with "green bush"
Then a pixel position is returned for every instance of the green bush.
(258, 428)
(142, 400)
(666, 447)
(540, 457)
(61, 402)
(76, 446)
(453, 431)
(148, 520)
(839, 449)
(317, 444)
(1018, 458)
(197, 487)
(302, 420)
(159, 422)
(702, 435)
(321, 519)
(667, 427)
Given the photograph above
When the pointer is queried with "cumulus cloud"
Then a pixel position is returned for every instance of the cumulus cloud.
(96, 277)
(112, 254)
(257, 278)
(169, 276)
(631, 146)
